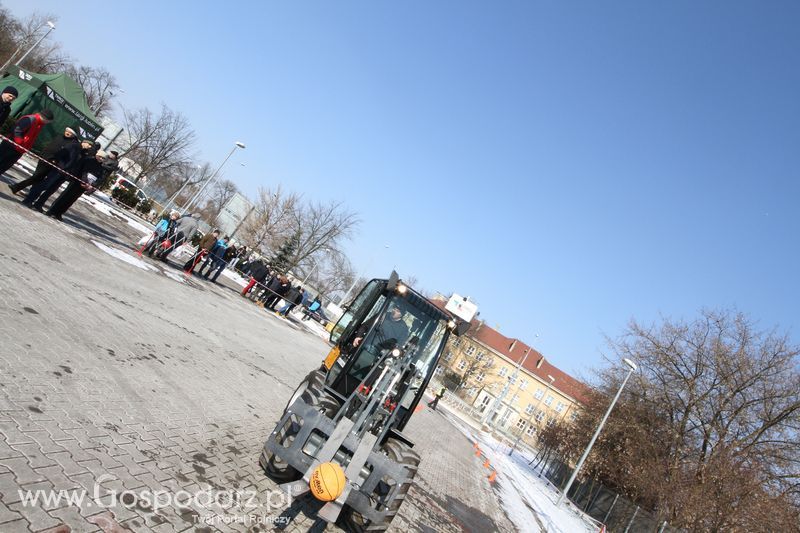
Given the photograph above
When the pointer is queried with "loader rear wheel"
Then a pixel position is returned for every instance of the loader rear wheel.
(398, 452)
(312, 391)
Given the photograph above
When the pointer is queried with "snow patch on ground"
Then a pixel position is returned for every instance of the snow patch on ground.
(235, 277)
(528, 499)
(109, 210)
(177, 277)
(124, 256)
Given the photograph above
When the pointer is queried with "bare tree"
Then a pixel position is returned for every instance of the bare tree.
(221, 193)
(18, 35)
(321, 226)
(706, 432)
(98, 84)
(159, 142)
(270, 223)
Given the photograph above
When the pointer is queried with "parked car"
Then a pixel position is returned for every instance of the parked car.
(128, 185)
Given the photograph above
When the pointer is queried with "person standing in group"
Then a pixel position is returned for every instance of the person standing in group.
(294, 296)
(165, 229)
(91, 170)
(258, 274)
(26, 130)
(8, 95)
(214, 258)
(281, 288)
(69, 160)
(185, 228)
(45, 165)
(208, 241)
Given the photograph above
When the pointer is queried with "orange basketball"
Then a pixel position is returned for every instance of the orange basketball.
(327, 482)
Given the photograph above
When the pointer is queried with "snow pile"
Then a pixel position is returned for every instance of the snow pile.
(124, 256)
(529, 500)
(235, 277)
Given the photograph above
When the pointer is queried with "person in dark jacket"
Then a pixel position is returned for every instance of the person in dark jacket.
(294, 296)
(91, 168)
(69, 160)
(215, 257)
(280, 289)
(8, 95)
(208, 241)
(48, 154)
(258, 274)
(26, 130)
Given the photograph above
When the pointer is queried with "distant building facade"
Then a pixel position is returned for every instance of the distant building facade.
(507, 384)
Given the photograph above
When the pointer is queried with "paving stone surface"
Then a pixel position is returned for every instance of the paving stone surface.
(123, 382)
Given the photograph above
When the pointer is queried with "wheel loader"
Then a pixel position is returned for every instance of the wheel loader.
(353, 409)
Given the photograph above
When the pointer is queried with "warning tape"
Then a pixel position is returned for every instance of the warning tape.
(30, 153)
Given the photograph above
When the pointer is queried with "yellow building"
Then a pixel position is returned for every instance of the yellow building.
(508, 382)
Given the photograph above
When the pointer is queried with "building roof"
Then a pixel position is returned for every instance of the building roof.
(515, 350)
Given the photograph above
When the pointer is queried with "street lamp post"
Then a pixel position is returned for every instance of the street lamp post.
(199, 193)
(42, 38)
(632, 367)
(11, 58)
(538, 408)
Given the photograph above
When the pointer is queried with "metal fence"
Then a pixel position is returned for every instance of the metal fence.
(619, 514)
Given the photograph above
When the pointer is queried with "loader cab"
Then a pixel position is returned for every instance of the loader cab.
(387, 316)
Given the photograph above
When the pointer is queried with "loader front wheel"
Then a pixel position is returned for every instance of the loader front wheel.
(312, 391)
(398, 452)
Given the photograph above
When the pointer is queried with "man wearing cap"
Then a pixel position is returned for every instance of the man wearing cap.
(8, 95)
(48, 154)
(26, 130)
(69, 161)
(91, 169)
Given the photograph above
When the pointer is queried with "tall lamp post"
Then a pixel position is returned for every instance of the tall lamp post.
(31, 49)
(200, 192)
(632, 367)
(551, 379)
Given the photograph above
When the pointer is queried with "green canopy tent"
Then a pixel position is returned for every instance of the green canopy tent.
(56, 92)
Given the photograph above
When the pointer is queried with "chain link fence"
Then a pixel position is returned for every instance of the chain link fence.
(619, 514)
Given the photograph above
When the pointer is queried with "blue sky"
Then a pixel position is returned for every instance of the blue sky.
(568, 165)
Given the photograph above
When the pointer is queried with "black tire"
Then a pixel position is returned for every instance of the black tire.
(398, 452)
(312, 391)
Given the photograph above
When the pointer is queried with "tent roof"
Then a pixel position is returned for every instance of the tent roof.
(70, 90)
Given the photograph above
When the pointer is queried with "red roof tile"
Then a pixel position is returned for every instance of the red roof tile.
(515, 351)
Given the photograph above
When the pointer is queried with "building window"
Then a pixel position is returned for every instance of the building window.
(521, 424)
(514, 399)
(470, 350)
(573, 416)
(484, 403)
(551, 421)
(523, 385)
(448, 355)
(479, 378)
(513, 379)
(531, 429)
(529, 409)
(472, 391)
(548, 400)
(506, 416)
(538, 394)
(539, 416)
(462, 364)
(438, 370)
(456, 342)
(503, 371)
(560, 407)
